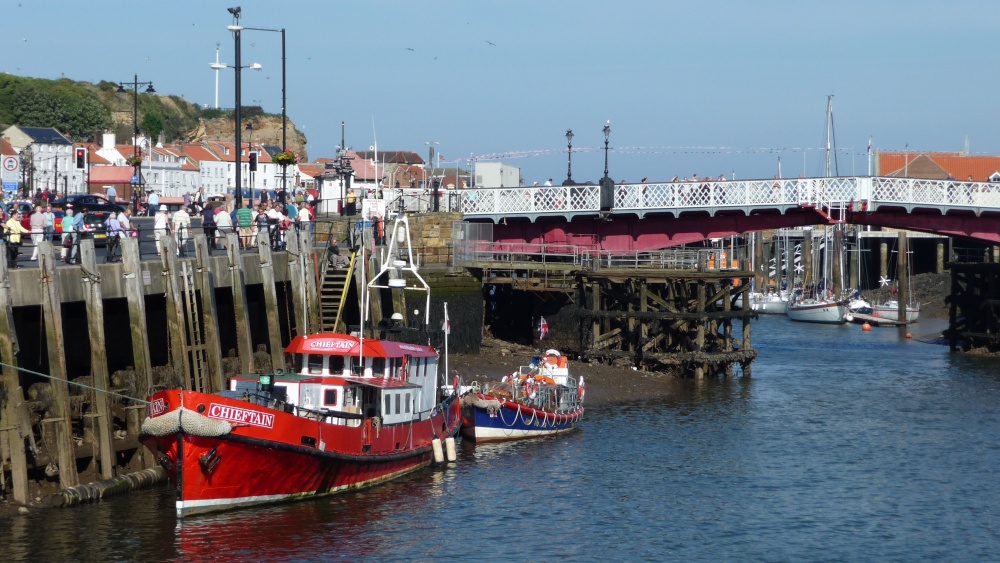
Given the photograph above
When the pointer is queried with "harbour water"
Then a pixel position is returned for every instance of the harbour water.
(844, 446)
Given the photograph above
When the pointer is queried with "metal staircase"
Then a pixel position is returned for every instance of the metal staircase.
(333, 295)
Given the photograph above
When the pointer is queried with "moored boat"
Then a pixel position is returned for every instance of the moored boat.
(890, 310)
(356, 413)
(539, 399)
(769, 303)
(818, 311)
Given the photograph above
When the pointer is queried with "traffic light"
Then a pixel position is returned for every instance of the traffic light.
(81, 158)
(253, 161)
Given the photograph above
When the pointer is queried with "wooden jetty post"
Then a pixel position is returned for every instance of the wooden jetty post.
(244, 344)
(883, 259)
(807, 262)
(136, 298)
(176, 328)
(90, 278)
(13, 429)
(209, 314)
(310, 274)
(759, 264)
(60, 415)
(296, 275)
(276, 351)
(903, 275)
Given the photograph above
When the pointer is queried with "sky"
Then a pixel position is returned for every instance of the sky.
(701, 88)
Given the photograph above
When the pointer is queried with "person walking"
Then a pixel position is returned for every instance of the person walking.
(67, 234)
(50, 222)
(113, 233)
(14, 230)
(37, 224)
(244, 221)
(223, 226)
(208, 224)
(304, 217)
(79, 228)
(181, 227)
(160, 226)
(152, 203)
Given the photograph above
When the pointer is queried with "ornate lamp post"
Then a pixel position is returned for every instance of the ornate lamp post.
(569, 158)
(136, 159)
(607, 184)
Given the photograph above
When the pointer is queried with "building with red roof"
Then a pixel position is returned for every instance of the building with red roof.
(937, 166)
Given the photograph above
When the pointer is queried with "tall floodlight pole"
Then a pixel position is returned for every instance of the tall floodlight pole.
(284, 117)
(217, 69)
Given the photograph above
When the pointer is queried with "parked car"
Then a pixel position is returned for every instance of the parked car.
(92, 202)
(26, 210)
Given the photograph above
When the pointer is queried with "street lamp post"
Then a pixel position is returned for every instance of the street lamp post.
(607, 184)
(236, 28)
(250, 170)
(569, 158)
(136, 163)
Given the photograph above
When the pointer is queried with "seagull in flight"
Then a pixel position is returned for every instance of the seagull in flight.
(409, 48)
(491, 43)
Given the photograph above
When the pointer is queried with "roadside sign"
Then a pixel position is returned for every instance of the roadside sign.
(10, 186)
(11, 169)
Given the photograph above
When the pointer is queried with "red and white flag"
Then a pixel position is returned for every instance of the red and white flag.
(543, 328)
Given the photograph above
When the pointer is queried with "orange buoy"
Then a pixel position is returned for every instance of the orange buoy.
(866, 327)
(908, 335)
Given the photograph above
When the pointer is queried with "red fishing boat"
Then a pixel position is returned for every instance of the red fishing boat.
(356, 413)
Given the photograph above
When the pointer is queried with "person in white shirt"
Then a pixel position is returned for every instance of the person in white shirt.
(181, 228)
(223, 226)
(304, 217)
(160, 226)
(153, 203)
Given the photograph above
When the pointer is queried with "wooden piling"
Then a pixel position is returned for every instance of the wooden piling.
(61, 418)
(297, 278)
(276, 350)
(244, 342)
(91, 281)
(209, 313)
(883, 258)
(939, 264)
(807, 262)
(176, 328)
(903, 275)
(136, 297)
(311, 273)
(10, 423)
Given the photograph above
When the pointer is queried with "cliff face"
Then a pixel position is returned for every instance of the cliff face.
(266, 131)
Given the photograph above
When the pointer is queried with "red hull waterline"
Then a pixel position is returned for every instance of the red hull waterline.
(269, 456)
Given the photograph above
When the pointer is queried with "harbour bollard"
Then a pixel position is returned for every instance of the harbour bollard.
(90, 492)
(450, 448)
(438, 453)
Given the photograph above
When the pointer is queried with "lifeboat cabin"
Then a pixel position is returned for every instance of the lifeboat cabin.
(343, 379)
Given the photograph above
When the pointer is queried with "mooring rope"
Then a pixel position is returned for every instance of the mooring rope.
(92, 388)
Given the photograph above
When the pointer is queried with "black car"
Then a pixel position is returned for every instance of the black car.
(90, 201)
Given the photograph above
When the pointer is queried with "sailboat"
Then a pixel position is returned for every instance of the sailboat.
(772, 300)
(822, 305)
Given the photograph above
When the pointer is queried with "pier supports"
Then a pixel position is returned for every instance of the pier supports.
(58, 417)
(91, 280)
(276, 351)
(678, 321)
(209, 318)
(244, 346)
(14, 428)
(974, 316)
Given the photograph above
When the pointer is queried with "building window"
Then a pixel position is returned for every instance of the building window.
(329, 397)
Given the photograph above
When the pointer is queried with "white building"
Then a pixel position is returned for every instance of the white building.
(497, 175)
(49, 160)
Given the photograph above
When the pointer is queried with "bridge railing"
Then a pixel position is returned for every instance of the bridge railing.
(746, 195)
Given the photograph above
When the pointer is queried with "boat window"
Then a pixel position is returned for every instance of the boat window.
(378, 367)
(394, 365)
(315, 363)
(397, 402)
(336, 364)
(388, 405)
(407, 402)
(330, 397)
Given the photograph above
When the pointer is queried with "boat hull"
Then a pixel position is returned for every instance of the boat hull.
(831, 312)
(769, 305)
(513, 421)
(295, 458)
(892, 313)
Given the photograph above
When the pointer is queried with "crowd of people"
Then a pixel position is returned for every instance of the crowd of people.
(268, 221)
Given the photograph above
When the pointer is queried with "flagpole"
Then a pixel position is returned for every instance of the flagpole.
(447, 330)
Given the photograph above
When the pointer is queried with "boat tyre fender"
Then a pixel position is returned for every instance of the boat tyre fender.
(581, 389)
